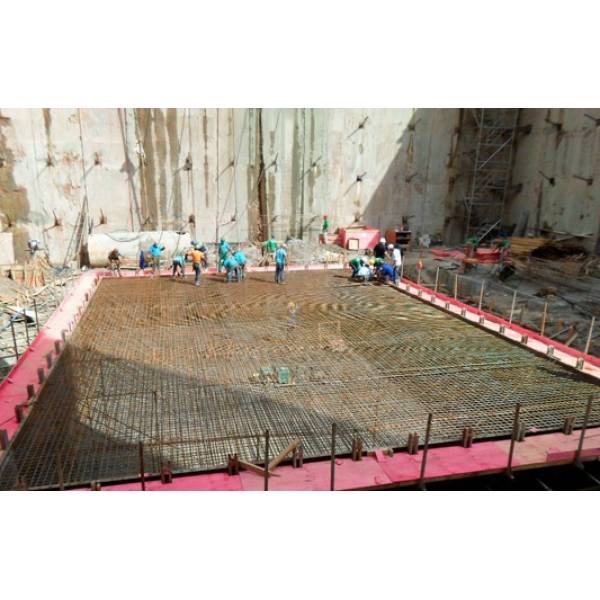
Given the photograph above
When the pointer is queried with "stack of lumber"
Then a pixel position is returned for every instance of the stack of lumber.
(521, 246)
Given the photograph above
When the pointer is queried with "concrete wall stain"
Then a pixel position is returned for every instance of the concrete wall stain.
(174, 154)
(160, 153)
(308, 168)
(147, 169)
(48, 129)
(205, 165)
(295, 192)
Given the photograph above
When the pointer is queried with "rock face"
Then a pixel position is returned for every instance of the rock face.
(243, 173)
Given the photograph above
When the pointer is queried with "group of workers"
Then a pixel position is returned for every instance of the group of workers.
(231, 261)
(383, 263)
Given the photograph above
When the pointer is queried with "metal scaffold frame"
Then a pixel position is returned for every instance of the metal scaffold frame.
(492, 166)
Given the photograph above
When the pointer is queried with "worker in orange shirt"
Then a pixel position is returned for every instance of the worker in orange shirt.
(196, 257)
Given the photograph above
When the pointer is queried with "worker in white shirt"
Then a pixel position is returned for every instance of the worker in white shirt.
(396, 258)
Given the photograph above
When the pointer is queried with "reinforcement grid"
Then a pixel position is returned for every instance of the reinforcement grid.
(197, 373)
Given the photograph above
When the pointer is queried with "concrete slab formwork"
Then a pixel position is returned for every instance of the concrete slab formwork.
(196, 374)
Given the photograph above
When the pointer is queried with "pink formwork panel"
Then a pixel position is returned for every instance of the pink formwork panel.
(534, 341)
(207, 482)
(13, 390)
(384, 471)
(367, 237)
(316, 476)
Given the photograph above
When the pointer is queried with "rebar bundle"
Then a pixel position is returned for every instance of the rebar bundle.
(197, 373)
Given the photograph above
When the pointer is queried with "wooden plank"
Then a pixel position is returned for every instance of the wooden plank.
(283, 454)
(254, 468)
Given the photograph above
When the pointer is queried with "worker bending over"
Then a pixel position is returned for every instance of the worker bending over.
(364, 273)
(178, 266)
(240, 259)
(355, 264)
(114, 261)
(280, 263)
(196, 257)
(385, 273)
(231, 268)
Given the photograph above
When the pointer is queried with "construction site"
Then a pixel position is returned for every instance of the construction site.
(475, 366)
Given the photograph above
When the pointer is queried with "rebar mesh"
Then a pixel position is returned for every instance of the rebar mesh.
(197, 373)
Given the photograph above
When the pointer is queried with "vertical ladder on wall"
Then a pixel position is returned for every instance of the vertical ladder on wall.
(492, 164)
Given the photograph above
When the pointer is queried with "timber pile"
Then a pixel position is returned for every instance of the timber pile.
(34, 274)
(522, 246)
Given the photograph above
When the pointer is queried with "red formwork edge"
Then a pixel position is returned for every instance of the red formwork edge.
(571, 357)
(34, 363)
(377, 471)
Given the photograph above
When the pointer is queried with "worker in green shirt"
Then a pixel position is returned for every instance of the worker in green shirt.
(325, 229)
(355, 265)
(269, 248)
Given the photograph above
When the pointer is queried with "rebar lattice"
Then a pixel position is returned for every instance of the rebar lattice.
(197, 373)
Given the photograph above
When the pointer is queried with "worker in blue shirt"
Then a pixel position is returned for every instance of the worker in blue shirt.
(155, 251)
(280, 262)
(231, 268)
(240, 259)
(142, 261)
(223, 252)
(179, 265)
(385, 272)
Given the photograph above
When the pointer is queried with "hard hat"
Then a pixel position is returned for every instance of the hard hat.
(390, 246)
(382, 240)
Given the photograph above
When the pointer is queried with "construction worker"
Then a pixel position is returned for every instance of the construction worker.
(364, 273)
(142, 261)
(280, 262)
(375, 263)
(240, 259)
(355, 264)
(379, 250)
(385, 273)
(204, 251)
(114, 261)
(196, 257)
(503, 244)
(324, 229)
(223, 252)
(179, 265)
(231, 267)
(396, 259)
(269, 249)
(155, 252)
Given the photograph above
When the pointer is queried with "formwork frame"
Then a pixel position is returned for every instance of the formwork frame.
(381, 430)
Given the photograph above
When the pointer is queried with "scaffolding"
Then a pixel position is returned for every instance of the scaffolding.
(490, 180)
